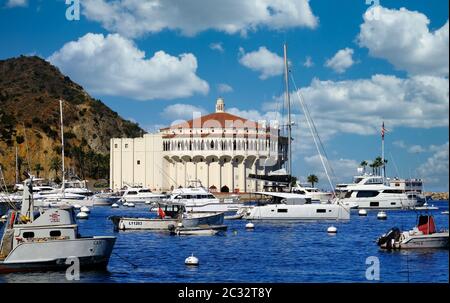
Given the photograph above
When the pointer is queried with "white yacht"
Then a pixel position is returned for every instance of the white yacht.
(140, 195)
(368, 191)
(45, 240)
(292, 206)
(316, 195)
(198, 199)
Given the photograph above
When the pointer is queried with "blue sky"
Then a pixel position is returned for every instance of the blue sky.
(387, 63)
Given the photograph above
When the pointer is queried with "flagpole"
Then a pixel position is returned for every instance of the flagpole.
(382, 150)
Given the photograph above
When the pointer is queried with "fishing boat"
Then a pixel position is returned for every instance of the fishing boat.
(46, 239)
(168, 214)
(424, 235)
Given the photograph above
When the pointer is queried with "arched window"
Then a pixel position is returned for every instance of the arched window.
(212, 144)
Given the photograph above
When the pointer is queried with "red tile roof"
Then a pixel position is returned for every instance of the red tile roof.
(217, 120)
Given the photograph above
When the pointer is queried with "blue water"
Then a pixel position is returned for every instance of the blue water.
(272, 252)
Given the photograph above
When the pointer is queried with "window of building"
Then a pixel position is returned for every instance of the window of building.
(138, 162)
(115, 145)
(126, 145)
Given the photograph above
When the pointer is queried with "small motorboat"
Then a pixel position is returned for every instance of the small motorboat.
(168, 214)
(424, 235)
(201, 230)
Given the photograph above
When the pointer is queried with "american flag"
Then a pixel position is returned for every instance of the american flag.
(382, 130)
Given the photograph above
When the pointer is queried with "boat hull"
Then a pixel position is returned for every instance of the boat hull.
(437, 240)
(192, 220)
(299, 212)
(92, 253)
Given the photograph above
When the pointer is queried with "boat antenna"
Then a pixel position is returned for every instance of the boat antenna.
(62, 143)
(289, 126)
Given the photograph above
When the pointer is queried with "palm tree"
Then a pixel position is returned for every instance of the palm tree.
(378, 164)
(55, 164)
(312, 179)
(38, 168)
(364, 164)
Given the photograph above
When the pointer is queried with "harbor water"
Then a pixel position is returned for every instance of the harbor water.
(271, 252)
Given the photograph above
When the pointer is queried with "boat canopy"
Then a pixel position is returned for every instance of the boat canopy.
(426, 224)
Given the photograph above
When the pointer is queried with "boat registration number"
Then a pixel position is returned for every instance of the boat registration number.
(134, 223)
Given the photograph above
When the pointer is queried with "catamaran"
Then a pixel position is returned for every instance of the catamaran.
(290, 205)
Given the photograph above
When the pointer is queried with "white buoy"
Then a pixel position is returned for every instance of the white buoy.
(249, 225)
(82, 215)
(192, 261)
(115, 205)
(85, 209)
(381, 215)
(362, 212)
(332, 230)
(77, 206)
(130, 204)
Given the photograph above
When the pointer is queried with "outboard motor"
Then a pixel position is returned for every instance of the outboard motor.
(386, 240)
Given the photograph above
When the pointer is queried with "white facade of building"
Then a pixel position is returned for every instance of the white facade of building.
(220, 150)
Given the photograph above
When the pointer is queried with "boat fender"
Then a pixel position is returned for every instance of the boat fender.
(171, 227)
(121, 225)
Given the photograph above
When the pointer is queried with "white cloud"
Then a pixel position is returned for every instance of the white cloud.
(403, 38)
(217, 46)
(435, 169)
(341, 61)
(359, 106)
(224, 88)
(308, 62)
(113, 65)
(342, 169)
(135, 18)
(181, 111)
(416, 149)
(17, 3)
(267, 63)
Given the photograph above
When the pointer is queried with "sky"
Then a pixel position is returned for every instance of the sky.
(355, 65)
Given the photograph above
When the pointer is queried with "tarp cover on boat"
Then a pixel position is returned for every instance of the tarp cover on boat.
(426, 225)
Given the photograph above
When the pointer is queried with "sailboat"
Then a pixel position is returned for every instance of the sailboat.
(290, 205)
(60, 196)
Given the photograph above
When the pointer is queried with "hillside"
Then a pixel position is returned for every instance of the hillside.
(30, 89)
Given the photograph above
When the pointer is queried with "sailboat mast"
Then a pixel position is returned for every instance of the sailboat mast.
(288, 102)
(17, 167)
(62, 141)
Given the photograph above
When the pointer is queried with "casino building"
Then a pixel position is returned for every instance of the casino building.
(219, 149)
